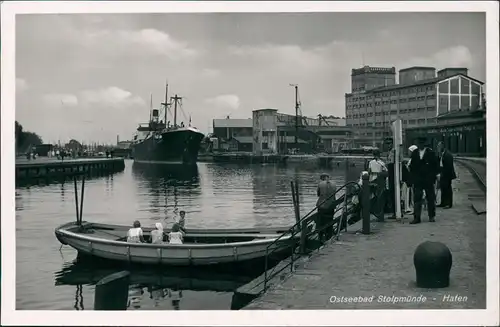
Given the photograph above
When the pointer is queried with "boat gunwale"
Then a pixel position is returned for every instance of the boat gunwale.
(65, 232)
(204, 231)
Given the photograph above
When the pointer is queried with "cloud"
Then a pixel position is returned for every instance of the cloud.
(226, 102)
(111, 96)
(290, 57)
(138, 42)
(21, 85)
(60, 99)
(210, 73)
(455, 56)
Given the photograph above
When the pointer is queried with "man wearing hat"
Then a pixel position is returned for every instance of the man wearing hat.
(326, 207)
(446, 175)
(423, 170)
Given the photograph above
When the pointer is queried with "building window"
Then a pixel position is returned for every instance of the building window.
(411, 122)
(432, 108)
(421, 121)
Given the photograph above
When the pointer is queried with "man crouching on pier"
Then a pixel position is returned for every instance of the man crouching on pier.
(423, 170)
(326, 207)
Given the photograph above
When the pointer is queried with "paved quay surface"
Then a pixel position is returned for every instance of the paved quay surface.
(381, 264)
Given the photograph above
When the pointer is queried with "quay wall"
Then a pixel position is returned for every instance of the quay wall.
(54, 168)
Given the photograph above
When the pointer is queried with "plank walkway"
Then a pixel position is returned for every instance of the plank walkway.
(381, 264)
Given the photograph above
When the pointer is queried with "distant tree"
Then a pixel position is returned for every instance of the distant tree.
(74, 145)
(25, 140)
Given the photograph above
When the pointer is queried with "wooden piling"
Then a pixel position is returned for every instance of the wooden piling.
(81, 202)
(76, 201)
(297, 198)
(111, 292)
(295, 201)
(365, 202)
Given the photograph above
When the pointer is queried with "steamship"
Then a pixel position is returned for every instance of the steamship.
(158, 141)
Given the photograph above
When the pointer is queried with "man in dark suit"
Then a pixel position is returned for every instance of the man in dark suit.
(423, 170)
(446, 175)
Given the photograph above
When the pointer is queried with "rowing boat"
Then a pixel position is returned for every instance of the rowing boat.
(201, 247)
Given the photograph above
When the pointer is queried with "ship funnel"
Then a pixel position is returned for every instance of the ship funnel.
(155, 112)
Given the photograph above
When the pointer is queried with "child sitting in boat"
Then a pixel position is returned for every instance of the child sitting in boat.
(157, 234)
(175, 236)
(134, 235)
(182, 221)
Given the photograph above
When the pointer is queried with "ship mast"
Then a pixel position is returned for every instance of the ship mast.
(151, 108)
(176, 99)
(166, 103)
(296, 114)
(166, 106)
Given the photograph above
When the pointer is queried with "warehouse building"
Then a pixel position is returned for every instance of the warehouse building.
(418, 99)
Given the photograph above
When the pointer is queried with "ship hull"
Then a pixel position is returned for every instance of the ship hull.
(170, 147)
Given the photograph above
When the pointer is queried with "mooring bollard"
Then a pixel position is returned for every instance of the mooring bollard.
(432, 262)
(111, 292)
(365, 202)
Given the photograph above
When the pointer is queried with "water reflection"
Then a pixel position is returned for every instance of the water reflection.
(157, 287)
(79, 298)
(168, 187)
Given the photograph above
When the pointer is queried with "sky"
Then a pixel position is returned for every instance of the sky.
(89, 77)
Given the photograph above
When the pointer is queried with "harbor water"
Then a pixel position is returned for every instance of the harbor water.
(49, 277)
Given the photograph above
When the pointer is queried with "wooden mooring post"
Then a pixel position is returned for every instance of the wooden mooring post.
(111, 292)
(295, 200)
(303, 225)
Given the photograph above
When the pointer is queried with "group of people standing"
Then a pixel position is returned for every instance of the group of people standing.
(425, 172)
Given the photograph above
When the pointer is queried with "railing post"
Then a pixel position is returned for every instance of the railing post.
(265, 267)
(365, 202)
(303, 236)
